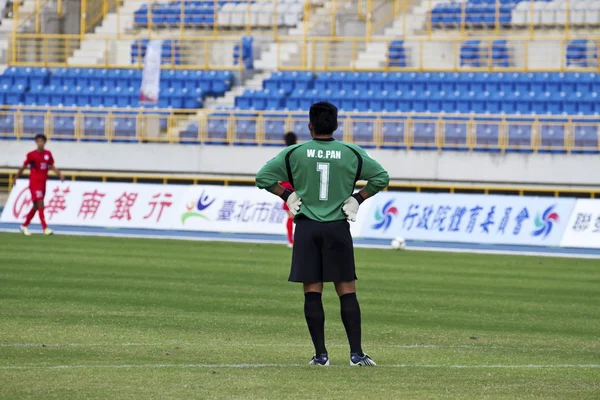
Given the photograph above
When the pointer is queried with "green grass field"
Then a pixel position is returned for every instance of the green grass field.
(109, 318)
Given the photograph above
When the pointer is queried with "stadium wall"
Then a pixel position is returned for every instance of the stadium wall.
(569, 170)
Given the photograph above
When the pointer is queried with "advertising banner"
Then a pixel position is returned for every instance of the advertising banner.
(514, 220)
(230, 209)
(583, 229)
(129, 205)
(99, 204)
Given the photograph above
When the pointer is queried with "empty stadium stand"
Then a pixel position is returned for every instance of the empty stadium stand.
(473, 90)
(489, 13)
(95, 87)
(579, 13)
(506, 93)
(196, 14)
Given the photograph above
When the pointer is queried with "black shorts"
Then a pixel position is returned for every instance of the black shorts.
(323, 252)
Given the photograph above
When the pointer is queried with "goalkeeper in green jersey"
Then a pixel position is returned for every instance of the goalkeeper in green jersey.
(323, 172)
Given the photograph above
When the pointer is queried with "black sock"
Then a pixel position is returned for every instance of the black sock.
(351, 319)
(315, 319)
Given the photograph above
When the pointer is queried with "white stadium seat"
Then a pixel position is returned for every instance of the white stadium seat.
(582, 12)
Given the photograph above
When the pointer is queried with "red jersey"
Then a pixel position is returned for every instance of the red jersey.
(38, 165)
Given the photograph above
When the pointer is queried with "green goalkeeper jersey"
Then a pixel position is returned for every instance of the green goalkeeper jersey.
(323, 173)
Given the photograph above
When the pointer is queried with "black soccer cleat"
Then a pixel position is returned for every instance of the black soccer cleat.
(322, 360)
(361, 361)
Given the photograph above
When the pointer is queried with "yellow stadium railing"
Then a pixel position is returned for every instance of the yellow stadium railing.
(439, 54)
(206, 53)
(312, 53)
(389, 130)
(7, 180)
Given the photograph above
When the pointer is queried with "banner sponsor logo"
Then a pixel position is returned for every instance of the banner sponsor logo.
(545, 222)
(468, 218)
(196, 209)
(384, 216)
(583, 228)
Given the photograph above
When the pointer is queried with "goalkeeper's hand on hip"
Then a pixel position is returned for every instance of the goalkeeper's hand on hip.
(292, 200)
(351, 205)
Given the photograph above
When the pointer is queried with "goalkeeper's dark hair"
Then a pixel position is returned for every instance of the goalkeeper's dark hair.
(323, 118)
(290, 139)
(40, 136)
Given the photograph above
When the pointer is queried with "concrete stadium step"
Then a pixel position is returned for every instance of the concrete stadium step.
(375, 54)
(228, 101)
(95, 49)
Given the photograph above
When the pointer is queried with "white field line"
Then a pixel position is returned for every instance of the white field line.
(284, 345)
(526, 253)
(187, 366)
(217, 238)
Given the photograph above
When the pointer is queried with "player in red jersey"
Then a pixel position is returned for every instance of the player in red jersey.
(39, 162)
(290, 140)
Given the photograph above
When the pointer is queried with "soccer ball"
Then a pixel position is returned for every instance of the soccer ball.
(398, 243)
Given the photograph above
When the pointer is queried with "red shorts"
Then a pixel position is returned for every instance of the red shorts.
(285, 206)
(38, 191)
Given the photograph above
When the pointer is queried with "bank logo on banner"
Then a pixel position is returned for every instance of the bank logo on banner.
(98, 204)
(196, 209)
(385, 215)
(55, 202)
(469, 218)
(545, 223)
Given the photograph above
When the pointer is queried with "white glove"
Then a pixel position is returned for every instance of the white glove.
(294, 202)
(350, 208)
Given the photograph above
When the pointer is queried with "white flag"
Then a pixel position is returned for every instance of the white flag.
(150, 89)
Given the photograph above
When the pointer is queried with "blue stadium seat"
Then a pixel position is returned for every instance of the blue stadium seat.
(125, 129)
(578, 54)
(394, 132)
(300, 127)
(363, 131)
(191, 134)
(7, 124)
(519, 135)
(274, 128)
(585, 136)
(217, 128)
(423, 134)
(470, 54)
(94, 127)
(63, 128)
(553, 136)
(34, 125)
(455, 133)
(487, 134)
(246, 128)
(396, 54)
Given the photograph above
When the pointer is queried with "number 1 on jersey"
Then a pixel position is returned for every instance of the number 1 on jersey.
(323, 169)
